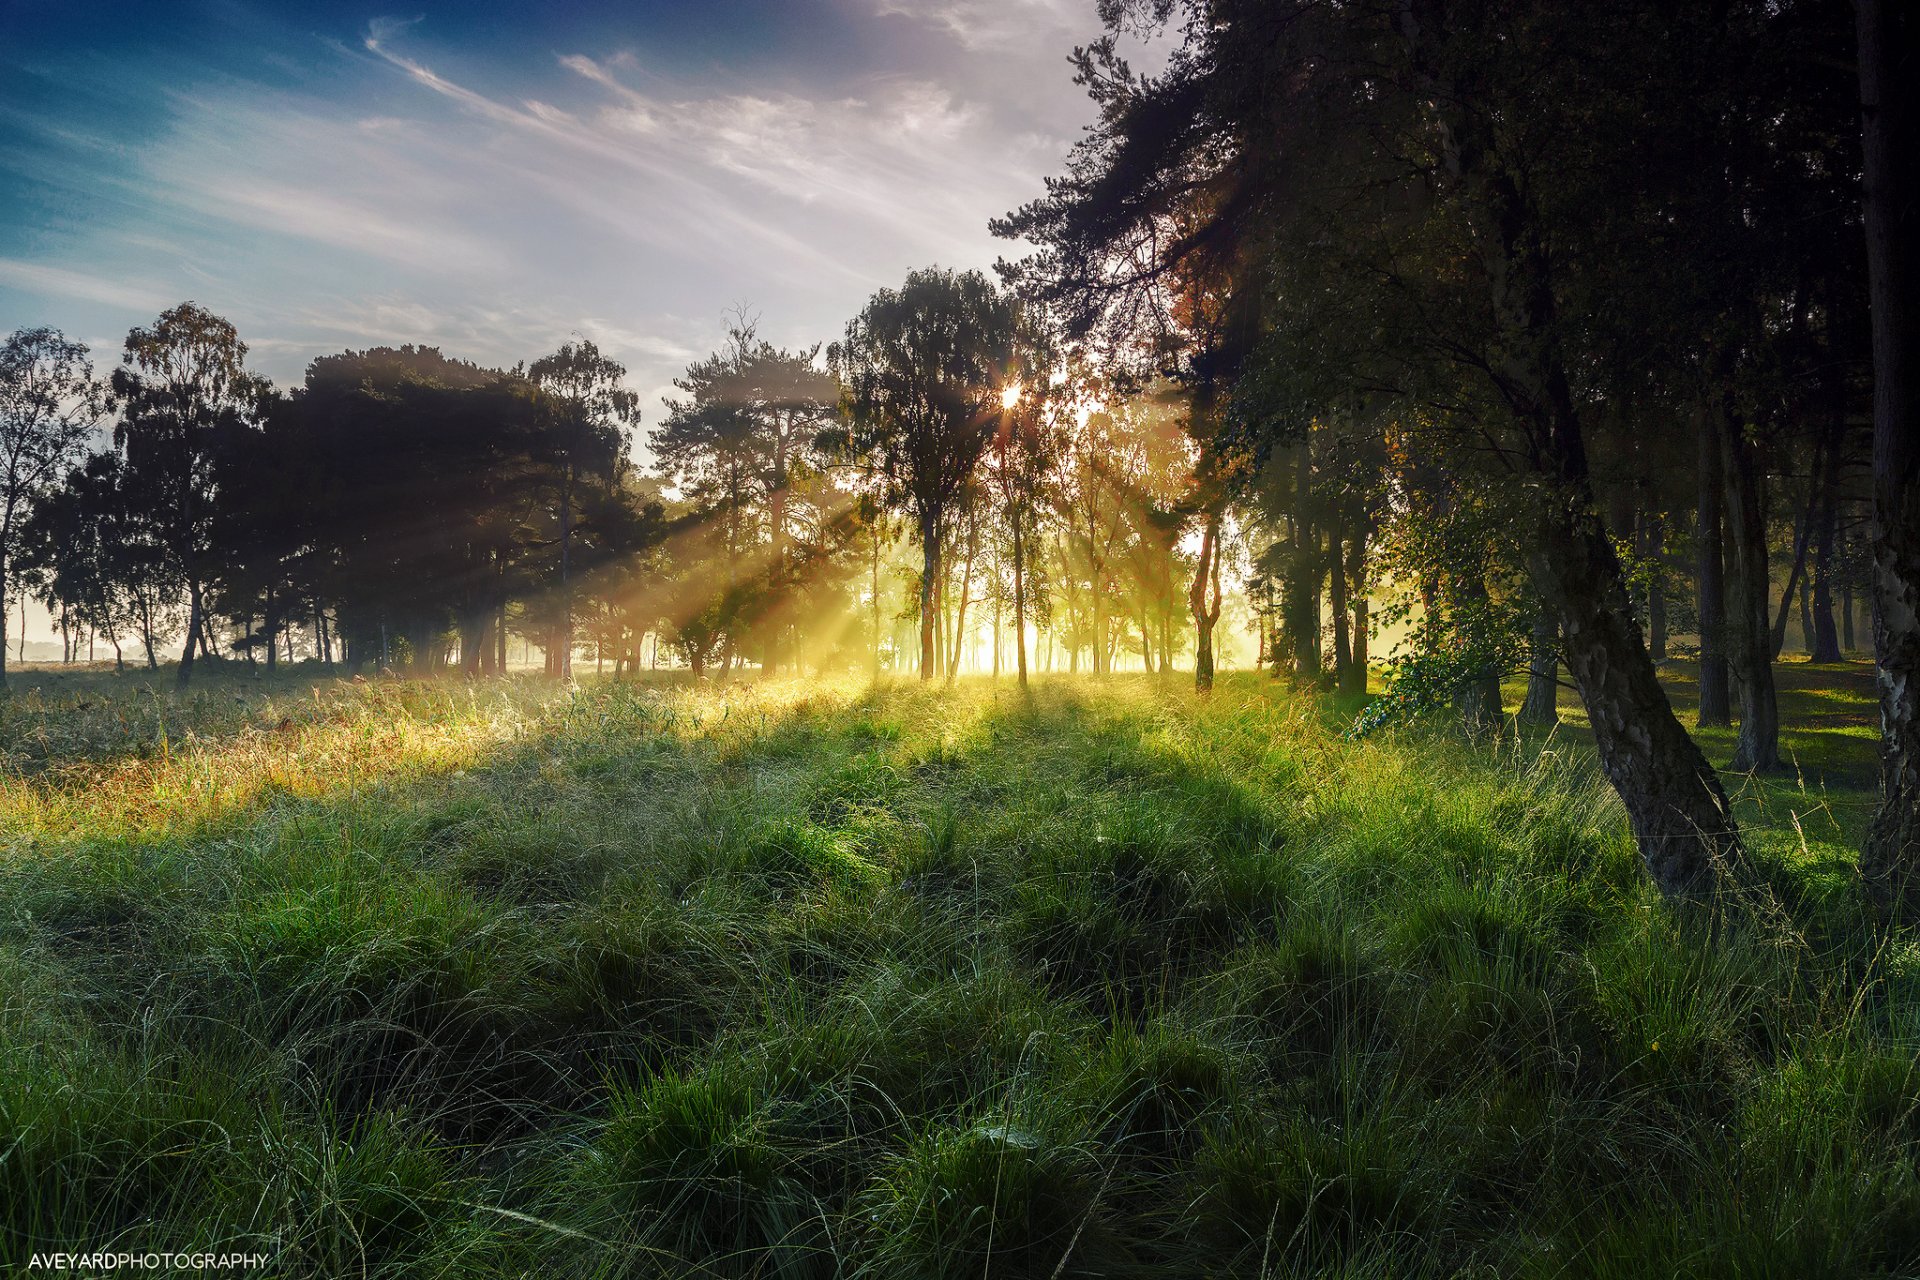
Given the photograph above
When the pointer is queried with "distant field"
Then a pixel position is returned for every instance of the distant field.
(769, 979)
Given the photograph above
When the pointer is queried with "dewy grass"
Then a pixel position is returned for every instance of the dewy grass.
(771, 979)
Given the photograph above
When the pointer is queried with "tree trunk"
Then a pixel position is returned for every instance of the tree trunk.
(1889, 43)
(1206, 611)
(966, 590)
(1802, 531)
(1824, 641)
(1716, 704)
(268, 633)
(4, 543)
(876, 602)
(1750, 652)
(929, 580)
(996, 638)
(1542, 703)
(1020, 599)
(1303, 582)
(1337, 601)
(1657, 587)
(563, 667)
(185, 672)
(776, 556)
(1680, 816)
(1478, 699)
(1356, 575)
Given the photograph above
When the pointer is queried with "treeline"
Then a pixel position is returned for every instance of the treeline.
(387, 511)
(403, 509)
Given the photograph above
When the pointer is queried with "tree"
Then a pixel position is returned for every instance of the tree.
(1021, 466)
(422, 502)
(183, 389)
(1420, 186)
(923, 368)
(741, 448)
(592, 409)
(49, 406)
(66, 550)
(1889, 49)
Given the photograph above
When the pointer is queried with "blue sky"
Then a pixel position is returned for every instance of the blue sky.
(494, 177)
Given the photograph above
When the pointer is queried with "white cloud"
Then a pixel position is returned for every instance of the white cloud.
(496, 212)
(993, 25)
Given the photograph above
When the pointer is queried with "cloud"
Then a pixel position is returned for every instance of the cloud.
(535, 194)
(984, 26)
(345, 223)
(62, 282)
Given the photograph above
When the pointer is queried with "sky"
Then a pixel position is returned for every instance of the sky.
(493, 178)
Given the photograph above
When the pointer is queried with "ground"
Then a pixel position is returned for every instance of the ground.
(778, 979)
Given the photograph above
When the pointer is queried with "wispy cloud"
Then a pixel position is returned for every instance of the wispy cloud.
(61, 282)
(532, 193)
(993, 25)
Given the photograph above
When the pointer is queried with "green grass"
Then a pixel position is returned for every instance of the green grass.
(777, 980)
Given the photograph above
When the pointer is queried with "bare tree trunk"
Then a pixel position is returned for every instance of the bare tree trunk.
(1542, 703)
(1824, 640)
(1680, 816)
(1020, 599)
(776, 557)
(5, 542)
(1337, 601)
(1802, 531)
(185, 672)
(1356, 575)
(966, 591)
(876, 602)
(1206, 612)
(146, 633)
(1478, 700)
(1750, 644)
(564, 666)
(929, 580)
(1889, 42)
(268, 633)
(1303, 582)
(1716, 704)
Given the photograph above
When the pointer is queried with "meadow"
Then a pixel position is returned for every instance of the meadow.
(786, 979)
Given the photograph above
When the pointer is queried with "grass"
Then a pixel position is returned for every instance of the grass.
(778, 980)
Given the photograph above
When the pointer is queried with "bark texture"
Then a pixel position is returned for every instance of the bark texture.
(1889, 32)
(1680, 816)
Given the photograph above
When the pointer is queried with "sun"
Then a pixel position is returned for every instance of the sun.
(1010, 395)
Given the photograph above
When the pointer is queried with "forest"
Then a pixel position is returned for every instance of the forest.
(1349, 709)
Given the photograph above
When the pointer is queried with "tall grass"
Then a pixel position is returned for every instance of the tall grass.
(777, 980)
